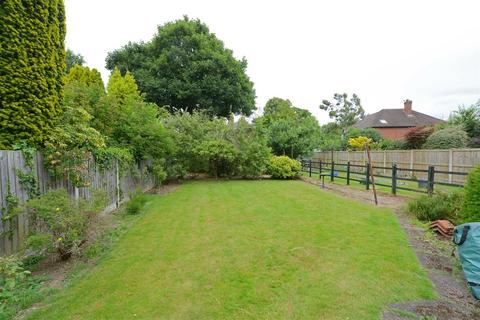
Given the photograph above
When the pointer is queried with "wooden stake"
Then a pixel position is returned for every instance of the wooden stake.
(367, 149)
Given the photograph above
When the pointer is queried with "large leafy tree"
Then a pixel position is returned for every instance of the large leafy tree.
(290, 131)
(32, 67)
(343, 110)
(185, 66)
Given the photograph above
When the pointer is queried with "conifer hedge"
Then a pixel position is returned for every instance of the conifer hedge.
(32, 66)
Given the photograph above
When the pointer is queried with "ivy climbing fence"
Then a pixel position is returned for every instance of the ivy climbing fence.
(15, 186)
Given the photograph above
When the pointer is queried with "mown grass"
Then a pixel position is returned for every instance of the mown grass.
(249, 250)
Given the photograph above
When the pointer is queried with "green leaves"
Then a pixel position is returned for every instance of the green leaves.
(470, 210)
(290, 131)
(345, 112)
(185, 67)
(450, 137)
(32, 60)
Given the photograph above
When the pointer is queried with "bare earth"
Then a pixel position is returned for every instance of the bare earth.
(455, 300)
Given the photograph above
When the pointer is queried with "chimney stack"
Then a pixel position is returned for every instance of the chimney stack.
(407, 106)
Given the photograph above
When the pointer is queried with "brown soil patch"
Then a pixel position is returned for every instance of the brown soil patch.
(455, 301)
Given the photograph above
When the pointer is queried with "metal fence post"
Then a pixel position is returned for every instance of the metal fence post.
(320, 169)
(310, 168)
(332, 171)
(431, 179)
(394, 179)
(367, 176)
(348, 173)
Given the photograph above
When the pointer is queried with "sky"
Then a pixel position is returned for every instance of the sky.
(384, 51)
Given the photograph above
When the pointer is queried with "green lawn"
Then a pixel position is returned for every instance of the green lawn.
(250, 250)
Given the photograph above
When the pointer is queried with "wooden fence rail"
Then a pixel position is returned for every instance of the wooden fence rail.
(361, 173)
(444, 161)
(118, 186)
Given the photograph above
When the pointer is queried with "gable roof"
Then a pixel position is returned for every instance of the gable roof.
(388, 118)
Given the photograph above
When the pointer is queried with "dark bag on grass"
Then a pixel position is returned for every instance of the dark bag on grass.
(467, 238)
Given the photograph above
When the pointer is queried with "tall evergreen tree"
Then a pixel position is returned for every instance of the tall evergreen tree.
(185, 66)
(32, 67)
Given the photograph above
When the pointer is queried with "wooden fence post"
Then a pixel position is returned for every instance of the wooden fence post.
(450, 165)
(367, 176)
(394, 179)
(384, 162)
(431, 179)
(348, 173)
(332, 171)
(320, 169)
(117, 184)
(310, 168)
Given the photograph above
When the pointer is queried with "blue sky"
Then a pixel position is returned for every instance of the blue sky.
(385, 51)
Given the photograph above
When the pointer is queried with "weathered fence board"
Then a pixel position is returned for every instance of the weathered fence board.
(456, 160)
(118, 186)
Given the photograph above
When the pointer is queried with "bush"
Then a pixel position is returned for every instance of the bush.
(471, 207)
(371, 133)
(440, 206)
(136, 203)
(11, 272)
(18, 289)
(220, 155)
(282, 167)
(59, 223)
(158, 171)
(448, 138)
(388, 144)
(416, 137)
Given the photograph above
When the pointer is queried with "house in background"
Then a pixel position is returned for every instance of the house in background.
(396, 123)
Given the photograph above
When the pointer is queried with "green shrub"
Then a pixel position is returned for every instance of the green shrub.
(448, 138)
(58, 223)
(220, 155)
(158, 171)
(282, 167)
(440, 206)
(471, 207)
(11, 272)
(136, 203)
(387, 144)
(18, 289)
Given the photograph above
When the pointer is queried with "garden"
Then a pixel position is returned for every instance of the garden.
(163, 193)
(249, 249)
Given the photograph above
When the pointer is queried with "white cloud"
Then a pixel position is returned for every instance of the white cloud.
(385, 51)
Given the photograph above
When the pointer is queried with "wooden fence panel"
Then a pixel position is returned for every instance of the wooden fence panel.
(118, 186)
(456, 160)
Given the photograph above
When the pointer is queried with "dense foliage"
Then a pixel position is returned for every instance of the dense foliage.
(290, 131)
(440, 206)
(450, 137)
(185, 66)
(417, 137)
(469, 119)
(283, 167)
(471, 208)
(18, 288)
(215, 146)
(32, 64)
(59, 223)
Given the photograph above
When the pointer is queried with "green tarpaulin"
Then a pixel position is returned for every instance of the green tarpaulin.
(467, 237)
